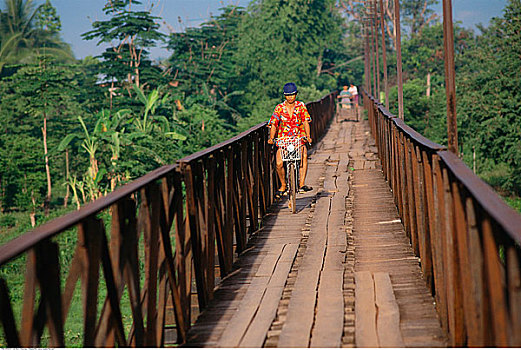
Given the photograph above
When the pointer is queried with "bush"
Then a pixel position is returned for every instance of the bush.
(7, 220)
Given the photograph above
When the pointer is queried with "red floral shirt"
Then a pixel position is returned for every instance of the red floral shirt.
(290, 125)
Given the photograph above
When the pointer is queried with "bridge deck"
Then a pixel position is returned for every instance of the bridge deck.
(295, 285)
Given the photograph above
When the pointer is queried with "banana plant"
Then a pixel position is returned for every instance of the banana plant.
(151, 103)
(91, 143)
(74, 184)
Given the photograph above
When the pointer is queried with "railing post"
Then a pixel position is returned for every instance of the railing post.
(437, 238)
(453, 290)
(479, 319)
(494, 272)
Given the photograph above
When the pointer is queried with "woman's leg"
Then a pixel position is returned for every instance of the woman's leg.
(280, 171)
(303, 166)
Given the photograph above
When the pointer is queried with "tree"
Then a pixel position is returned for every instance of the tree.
(415, 14)
(35, 96)
(285, 41)
(491, 103)
(26, 31)
(47, 18)
(131, 33)
(202, 62)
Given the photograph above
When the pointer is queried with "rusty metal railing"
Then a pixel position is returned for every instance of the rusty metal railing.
(468, 240)
(164, 231)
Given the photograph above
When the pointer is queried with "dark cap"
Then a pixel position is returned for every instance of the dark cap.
(290, 89)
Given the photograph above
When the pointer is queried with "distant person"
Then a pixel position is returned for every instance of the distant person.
(345, 98)
(354, 95)
(291, 118)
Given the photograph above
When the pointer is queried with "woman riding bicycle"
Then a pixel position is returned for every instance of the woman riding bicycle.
(291, 118)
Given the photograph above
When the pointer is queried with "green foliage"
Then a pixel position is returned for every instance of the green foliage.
(488, 94)
(132, 33)
(514, 202)
(286, 41)
(203, 56)
(32, 94)
(311, 93)
(47, 18)
(492, 103)
(349, 67)
(416, 14)
(7, 220)
(26, 31)
(202, 126)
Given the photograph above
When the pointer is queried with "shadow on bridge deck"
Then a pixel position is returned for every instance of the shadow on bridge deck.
(295, 286)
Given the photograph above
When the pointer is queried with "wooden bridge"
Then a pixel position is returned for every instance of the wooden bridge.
(399, 244)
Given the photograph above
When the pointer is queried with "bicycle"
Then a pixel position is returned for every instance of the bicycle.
(290, 151)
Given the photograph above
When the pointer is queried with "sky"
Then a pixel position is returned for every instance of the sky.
(472, 12)
(78, 15)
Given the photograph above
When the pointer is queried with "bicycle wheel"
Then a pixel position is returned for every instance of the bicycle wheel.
(292, 188)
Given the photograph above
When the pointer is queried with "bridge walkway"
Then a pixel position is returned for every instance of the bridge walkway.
(338, 273)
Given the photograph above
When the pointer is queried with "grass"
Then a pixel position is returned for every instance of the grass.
(514, 202)
(498, 176)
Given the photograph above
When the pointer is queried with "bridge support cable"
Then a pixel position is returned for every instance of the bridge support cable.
(398, 46)
(376, 20)
(367, 69)
(384, 55)
(450, 77)
(374, 50)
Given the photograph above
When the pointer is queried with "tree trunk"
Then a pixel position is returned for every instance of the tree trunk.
(67, 193)
(33, 210)
(474, 159)
(319, 63)
(47, 169)
(33, 218)
(2, 195)
(428, 93)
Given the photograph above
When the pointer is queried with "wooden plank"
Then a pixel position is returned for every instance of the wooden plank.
(259, 305)
(237, 326)
(27, 335)
(209, 214)
(90, 278)
(514, 294)
(334, 259)
(329, 321)
(151, 199)
(438, 233)
(454, 287)
(365, 311)
(296, 330)
(388, 321)
(278, 279)
(257, 331)
(493, 268)
(49, 281)
(270, 261)
(300, 315)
